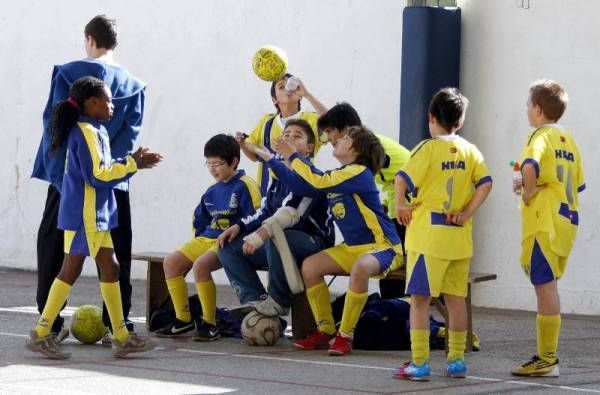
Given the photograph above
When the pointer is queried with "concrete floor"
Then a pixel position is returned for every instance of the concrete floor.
(187, 367)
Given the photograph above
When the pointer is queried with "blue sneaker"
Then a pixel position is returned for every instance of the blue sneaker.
(455, 369)
(410, 371)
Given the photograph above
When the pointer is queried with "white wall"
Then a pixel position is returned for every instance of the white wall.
(195, 57)
(504, 49)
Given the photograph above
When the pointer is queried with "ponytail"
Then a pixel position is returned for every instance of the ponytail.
(66, 113)
(64, 116)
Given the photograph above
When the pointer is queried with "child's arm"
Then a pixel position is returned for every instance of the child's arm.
(287, 177)
(403, 211)
(317, 105)
(481, 193)
(97, 173)
(202, 218)
(530, 187)
(247, 147)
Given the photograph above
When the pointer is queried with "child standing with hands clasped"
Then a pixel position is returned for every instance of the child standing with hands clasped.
(448, 180)
(88, 212)
(552, 179)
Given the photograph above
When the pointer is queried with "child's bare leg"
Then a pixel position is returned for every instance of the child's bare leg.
(419, 328)
(207, 291)
(457, 326)
(548, 320)
(59, 292)
(175, 266)
(314, 268)
(109, 287)
(356, 297)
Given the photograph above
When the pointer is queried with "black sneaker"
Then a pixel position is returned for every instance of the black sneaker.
(177, 328)
(206, 332)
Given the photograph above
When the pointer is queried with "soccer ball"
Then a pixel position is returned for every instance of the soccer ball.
(260, 330)
(269, 63)
(87, 325)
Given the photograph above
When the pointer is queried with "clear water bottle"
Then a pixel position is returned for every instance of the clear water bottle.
(292, 84)
(517, 182)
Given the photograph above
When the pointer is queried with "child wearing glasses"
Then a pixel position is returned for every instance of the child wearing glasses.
(233, 196)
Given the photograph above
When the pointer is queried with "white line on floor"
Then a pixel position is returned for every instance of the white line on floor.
(347, 365)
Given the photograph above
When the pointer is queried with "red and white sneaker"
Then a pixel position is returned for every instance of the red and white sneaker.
(315, 341)
(342, 345)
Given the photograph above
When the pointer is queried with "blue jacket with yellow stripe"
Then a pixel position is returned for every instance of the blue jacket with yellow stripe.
(123, 128)
(314, 219)
(225, 203)
(353, 198)
(87, 198)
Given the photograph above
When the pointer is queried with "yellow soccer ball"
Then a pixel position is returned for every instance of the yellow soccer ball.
(87, 325)
(269, 63)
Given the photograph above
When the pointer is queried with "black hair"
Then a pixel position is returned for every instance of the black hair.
(66, 112)
(306, 128)
(338, 117)
(104, 30)
(273, 84)
(370, 152)
(222, 146)
(448, 106)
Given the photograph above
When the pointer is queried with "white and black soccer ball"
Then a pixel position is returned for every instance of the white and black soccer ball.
(261, 330)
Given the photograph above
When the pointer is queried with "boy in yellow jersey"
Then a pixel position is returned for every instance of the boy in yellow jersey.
(271, 126)
(448, 180)
(334, 124)
(552, 178)
(233, 196)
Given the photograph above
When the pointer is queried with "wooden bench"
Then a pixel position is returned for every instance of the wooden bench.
(157, 296)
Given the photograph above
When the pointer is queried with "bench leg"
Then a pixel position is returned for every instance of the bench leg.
(469, 321)
(157, 292)
(441, 308)
(303, 322)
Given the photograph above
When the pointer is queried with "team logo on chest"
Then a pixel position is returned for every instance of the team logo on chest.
(338, 210)
(233, 202)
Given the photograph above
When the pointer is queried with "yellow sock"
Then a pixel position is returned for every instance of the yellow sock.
(179, 296)
(207, 292)
(353, 306)
(457, 342)
(59, 292)
(548, 331)
(318, 298)
(111, 294)
(419, 345)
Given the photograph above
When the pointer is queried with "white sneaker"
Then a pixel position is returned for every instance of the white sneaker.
(271, 308)
(61, 335)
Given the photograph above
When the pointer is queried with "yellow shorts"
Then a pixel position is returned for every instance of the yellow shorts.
(82, 243)
(430, 276)
(540, 264)
(389, 256)
(196, 247)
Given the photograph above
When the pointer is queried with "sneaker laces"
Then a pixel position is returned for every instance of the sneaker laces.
(535, 359)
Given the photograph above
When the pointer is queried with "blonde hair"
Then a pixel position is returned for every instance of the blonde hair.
(550, 96)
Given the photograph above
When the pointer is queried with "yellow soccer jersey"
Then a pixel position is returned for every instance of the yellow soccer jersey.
(554, 210)
(396, 158)
(442, 175)
(257, 136)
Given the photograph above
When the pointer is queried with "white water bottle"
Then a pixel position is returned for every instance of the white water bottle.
(517, 182)
(292, 84)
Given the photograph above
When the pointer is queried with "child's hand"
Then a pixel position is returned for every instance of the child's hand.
(284, 148)
(145, 159)
(228, 235)
(457, 218)
(263, 153)
(404, 214)
(301, 90)
(240, 137)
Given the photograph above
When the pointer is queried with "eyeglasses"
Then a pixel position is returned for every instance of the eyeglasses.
(214, 165)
